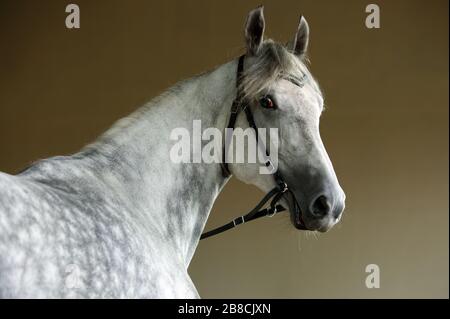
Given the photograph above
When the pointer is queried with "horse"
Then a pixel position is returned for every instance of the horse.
(119, 219)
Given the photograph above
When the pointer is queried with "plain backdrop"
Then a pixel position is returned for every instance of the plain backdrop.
(385, 127)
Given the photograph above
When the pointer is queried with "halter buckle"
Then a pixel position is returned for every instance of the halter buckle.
(238, 221)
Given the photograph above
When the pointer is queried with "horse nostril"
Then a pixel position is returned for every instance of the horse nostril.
(320, 207)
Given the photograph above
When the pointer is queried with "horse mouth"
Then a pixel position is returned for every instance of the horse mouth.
(298, 220)
(296, 215)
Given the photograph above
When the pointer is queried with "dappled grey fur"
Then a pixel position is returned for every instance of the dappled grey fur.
(118, 219)
(58, 215)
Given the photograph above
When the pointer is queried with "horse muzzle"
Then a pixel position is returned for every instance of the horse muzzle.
(321, 214)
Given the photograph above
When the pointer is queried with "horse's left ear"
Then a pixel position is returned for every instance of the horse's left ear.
(300, 44)
(254, 30)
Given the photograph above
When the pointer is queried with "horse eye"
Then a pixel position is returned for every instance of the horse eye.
(267, 103)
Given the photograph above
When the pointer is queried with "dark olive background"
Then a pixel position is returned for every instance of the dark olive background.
(385, 128)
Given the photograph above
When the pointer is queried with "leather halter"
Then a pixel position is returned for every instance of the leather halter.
(281, 188)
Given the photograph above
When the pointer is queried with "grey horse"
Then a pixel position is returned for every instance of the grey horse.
(120, 219)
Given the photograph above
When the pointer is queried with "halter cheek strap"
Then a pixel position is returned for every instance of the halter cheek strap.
(235, 109)
(281, 188)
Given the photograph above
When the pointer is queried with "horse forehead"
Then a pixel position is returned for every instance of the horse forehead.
(305, 97)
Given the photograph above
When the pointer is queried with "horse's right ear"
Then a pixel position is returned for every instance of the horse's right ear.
(254, 30)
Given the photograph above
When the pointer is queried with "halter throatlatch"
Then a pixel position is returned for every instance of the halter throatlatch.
(281, 188)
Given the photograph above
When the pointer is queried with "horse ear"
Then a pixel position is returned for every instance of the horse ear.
(254, 30)
(300, 44)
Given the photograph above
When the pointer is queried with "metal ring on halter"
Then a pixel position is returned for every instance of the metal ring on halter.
(274, 211)
(285, 187)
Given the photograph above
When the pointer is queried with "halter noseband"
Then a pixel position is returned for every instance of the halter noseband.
(281, 188)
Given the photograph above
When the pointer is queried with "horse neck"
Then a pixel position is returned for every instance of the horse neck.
(174, 200)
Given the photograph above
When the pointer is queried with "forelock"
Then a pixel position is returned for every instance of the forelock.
(272, 63)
